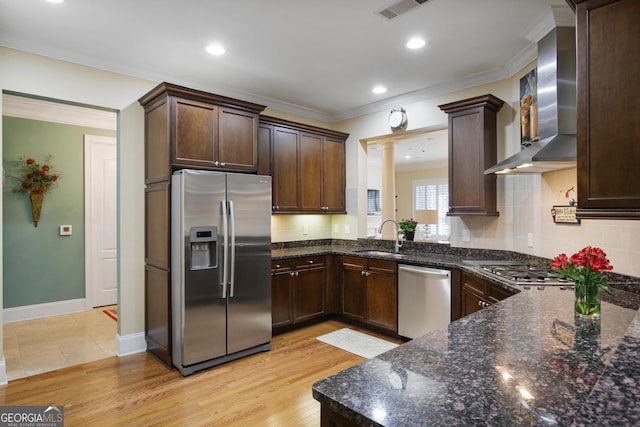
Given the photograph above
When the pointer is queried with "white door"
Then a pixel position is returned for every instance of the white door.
(101, 245)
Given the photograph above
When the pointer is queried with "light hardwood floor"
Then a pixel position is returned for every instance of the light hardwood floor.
(267, 389)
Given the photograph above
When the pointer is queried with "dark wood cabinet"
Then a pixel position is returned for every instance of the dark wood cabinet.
(158, 225)
(330, 418)
(237, 142)
(157, 316)
(608, 110)
(298, 290)
(187, 128)
(194, 129)
(333, 175)
(285, 170)
(369, 292)
(307, 165)
(157, 271)
(353, 285)
(310, 172)
(309, 289)
(281, 293)
(472, 149)
(477, 293)
(265, 146)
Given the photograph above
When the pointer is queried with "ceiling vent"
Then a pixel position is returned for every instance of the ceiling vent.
(400, 8)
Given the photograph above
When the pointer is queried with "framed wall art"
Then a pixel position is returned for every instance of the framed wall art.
(529, 109)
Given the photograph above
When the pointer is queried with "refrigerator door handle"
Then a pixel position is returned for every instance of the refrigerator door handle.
(232, 245)
(225, 247)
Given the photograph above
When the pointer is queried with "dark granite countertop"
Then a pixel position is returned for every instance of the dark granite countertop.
(523, 361)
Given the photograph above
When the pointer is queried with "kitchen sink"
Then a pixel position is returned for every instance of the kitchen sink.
(375, 252)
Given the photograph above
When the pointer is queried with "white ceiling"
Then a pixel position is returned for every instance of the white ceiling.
(429, 150)
(315, 58)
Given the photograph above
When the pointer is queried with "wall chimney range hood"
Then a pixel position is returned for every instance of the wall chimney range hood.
(556, 149)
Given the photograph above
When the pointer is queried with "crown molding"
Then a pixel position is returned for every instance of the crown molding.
(48, 111)
(555, 16)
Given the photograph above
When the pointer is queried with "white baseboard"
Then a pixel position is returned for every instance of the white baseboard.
(37, 311)
(130, 344)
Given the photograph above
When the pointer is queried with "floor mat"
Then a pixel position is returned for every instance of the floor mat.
(357, 343)
(112, 313)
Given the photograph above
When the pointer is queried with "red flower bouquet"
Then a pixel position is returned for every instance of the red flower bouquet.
(37, 178)
(586, 268)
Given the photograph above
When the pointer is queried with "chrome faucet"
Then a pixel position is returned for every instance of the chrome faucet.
(398, 243)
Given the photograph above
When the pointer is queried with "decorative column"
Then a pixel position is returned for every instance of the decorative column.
(388, 193)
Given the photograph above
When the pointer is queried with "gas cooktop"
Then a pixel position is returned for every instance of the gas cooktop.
(517, 273)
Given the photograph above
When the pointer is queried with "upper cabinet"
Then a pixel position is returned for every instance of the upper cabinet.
(608, 109)
(190, 128)
(472, 149)
(307, 165)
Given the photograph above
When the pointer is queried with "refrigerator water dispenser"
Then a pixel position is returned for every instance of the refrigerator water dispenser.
(203, 245)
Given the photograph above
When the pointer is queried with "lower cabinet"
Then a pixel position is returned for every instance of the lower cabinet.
(330, 418)
(369, 292)
(477, 293)
(298, 290)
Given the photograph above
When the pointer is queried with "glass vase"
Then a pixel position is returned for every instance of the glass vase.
(587, 302)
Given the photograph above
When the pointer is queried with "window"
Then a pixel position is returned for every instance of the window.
(434, 194)
(373, 202)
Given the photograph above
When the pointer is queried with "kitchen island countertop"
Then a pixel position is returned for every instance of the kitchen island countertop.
(524, 361)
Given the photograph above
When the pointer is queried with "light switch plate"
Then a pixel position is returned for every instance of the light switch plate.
(66, 230)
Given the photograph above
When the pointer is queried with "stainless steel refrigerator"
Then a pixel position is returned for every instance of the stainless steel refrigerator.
(221, 267)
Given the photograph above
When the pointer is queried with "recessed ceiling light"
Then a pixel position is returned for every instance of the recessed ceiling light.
(415, 43)
(379, 89)
(215, 49)
(55, 1)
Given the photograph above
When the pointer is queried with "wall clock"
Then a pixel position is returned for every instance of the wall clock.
(398, 119)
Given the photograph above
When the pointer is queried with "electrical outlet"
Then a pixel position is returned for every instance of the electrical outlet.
(530, 240)
(465, 235)
(305, 229)
(347, 229)
(336, 228)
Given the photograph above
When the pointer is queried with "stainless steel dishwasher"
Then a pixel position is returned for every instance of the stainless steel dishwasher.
(424, 300)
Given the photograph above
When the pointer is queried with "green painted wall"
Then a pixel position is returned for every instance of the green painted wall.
(40, 266)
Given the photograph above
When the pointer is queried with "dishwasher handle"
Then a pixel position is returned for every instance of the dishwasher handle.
(424, 270)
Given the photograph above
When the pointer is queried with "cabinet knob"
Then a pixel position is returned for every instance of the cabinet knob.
(277, 265)
(363, 272)
(216, 163)
(223, 164)
(310, 262)
(292, 274)
(367, 273)
(297, 273)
